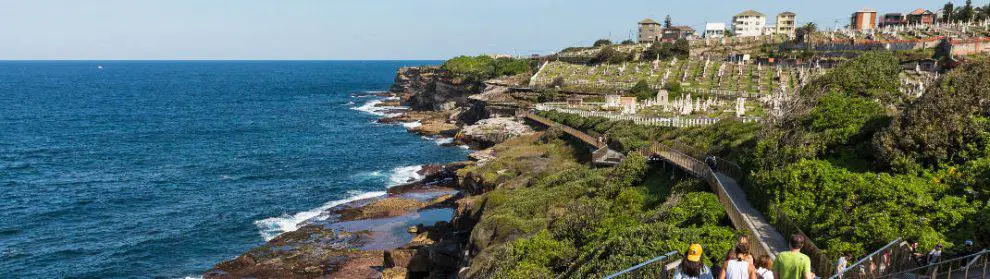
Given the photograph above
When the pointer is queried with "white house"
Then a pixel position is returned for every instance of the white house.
(749, 23)
(714, 30)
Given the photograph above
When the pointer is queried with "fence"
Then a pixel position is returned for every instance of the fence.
(757, 247)
(640, 120)
(891, 258)
(969, 266)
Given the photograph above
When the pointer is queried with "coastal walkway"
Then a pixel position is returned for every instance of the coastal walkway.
(602, 154)
(764, 237)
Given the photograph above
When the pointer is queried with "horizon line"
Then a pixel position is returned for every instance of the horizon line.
(206, 60)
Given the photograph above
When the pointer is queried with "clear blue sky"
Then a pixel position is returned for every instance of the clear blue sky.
(360, 29)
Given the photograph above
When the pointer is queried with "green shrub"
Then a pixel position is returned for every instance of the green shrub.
(949, 124)
(484, 67)
(610, 55)
(642, 91)
(602, 42)
(858, 212)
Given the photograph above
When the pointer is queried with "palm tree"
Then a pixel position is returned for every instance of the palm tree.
(806, 32)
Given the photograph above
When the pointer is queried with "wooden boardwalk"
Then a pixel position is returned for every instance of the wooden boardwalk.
(764, 238)
(602, 154)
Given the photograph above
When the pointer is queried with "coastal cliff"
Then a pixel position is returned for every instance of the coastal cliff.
(418, 230)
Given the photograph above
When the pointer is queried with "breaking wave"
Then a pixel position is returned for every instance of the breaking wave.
(271, 227)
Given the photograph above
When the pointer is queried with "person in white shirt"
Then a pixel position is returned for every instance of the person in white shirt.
(842, 264)
(764, 267)
(736, 267)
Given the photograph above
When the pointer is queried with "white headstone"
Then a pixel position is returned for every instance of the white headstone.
(740, 107)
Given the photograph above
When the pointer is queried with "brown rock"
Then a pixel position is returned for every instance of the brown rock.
(388, 207)
(394, 273)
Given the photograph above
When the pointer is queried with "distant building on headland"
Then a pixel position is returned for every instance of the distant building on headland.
(786, 23)
(749, 23)
(865, 19)
(649, 31)
(714, 30)
(921, 16)
(677, 32)
(892, 19)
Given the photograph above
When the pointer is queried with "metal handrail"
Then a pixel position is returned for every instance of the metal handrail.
(934, 266)
(978, 255)
(640, 265)
(867, 258)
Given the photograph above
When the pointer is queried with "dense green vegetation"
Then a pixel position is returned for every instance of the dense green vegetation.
(609, 55)
(855, 163)
(679, 48)
(547, 211)
(601, 43)
(479, 68)
(819, 164)
(642, 91)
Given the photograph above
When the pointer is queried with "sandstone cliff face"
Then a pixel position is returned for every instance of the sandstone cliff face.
(432, 88)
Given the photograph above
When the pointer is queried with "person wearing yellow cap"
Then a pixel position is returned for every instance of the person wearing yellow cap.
(691, 266)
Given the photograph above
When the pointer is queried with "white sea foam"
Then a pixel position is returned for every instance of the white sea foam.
(372, 108)
(464, 147)
(442, 141)
(403, 175)
(274, 226)
(411, 125)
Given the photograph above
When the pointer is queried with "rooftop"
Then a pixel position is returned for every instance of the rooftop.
(921, 11)
(648, 21)
(750, 13)
(787, 14)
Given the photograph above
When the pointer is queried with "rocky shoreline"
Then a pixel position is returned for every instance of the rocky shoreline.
(419, 229)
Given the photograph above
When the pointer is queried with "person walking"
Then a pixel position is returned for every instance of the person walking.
(793, 264)
(736, 267)
(742, 248)
(691, 267)
(842, 264)
(935, 254)
(764, 266)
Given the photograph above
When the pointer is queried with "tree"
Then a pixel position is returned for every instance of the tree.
(681, 48)
(609, 54)
(949, 124)
(628, 42)
(947, 11)
(658, 51)
(943, 50)
(641, 90)
(667, 23)
(965, 13)
(980, 13)
(602, 42)
(805, 33)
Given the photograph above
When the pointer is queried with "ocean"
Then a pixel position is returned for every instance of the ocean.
(163, 169)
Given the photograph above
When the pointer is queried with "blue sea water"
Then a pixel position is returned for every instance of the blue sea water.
(163, 169)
